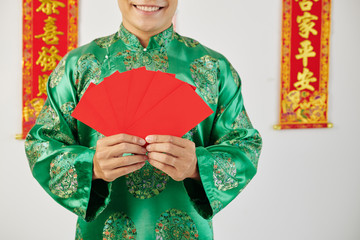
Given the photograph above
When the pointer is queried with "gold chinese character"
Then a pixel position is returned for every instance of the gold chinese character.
(32, 109)
(42, 84)
(306, 24)
(50, 34)
(47, 58)
(49, 6)
(28, 113)
(305, 52)
(306, 5)
(304, 80)
(37, 104)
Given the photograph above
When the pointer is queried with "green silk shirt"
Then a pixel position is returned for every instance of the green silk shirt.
(146, 204)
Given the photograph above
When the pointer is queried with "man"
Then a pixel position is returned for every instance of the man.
(169, 189)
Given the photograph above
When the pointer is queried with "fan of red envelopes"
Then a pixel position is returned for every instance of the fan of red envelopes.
(141, 102)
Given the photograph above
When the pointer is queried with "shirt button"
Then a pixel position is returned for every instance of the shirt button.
(145, 49)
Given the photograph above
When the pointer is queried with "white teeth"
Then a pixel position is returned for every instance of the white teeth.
(148, 9)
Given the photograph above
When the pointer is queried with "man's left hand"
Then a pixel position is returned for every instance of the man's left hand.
(174, 156)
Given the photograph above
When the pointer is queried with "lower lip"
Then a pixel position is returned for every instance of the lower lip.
(147, 12)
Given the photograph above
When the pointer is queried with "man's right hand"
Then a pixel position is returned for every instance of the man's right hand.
(109, 162)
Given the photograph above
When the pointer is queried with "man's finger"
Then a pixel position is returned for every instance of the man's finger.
(122, 137)
(163, 158)
(169, 170)
(124, 161)
(121, 148)
(181, 142)
(168, 148)
(122, 171)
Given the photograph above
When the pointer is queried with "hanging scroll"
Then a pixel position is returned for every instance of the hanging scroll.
(305, 64)
(49, 32)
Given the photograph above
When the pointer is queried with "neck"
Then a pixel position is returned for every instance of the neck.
(144, 40)
(143, 36)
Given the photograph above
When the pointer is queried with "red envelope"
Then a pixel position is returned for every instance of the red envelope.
(161, 86)
(117, 87)
(141, 102)
(138, 89)
(87, 114)
(175, 115)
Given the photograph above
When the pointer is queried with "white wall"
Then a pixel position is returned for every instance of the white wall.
(308, 183)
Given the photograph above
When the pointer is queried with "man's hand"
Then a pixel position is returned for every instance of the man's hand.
(173, 155)
(109, 163)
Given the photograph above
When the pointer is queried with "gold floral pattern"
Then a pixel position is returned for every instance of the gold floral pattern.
(48, 117)
(63, 176)
(204, 72)
(165, 37)
(66, 110)
(87, 70)
(146, 182)
(58, 73)
(50, 121)
(119, 227)
(189, 42)
(235, 76)
(105, 42)
(216, 206)
(154, 59)
(80, 211)
(60, 136)
(78, 234)
(224, 172)
(220, 110)
(242, 121)
(237, 133)
(130, 40)
(35, 149)
(250, 146)
(175, 224)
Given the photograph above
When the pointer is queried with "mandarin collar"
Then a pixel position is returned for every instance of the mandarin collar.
(157, 41)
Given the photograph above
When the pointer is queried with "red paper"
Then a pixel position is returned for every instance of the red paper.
(98, 98)
(159, 88)
(87, 114)
(138, 89)
(117, 87)
(174, 115)
(141, 102)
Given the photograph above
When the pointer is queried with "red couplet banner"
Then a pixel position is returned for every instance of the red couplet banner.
(50, 30)
(305, 64)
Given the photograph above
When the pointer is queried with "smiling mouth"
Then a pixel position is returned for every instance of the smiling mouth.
(148, 8)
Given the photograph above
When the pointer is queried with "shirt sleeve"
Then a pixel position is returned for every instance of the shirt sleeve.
(58, 162)
(229, 161)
